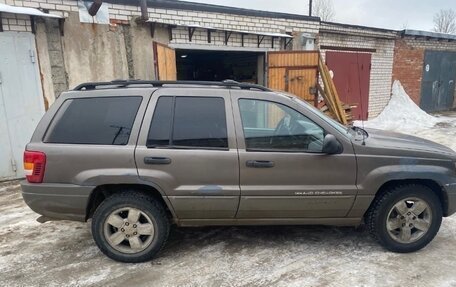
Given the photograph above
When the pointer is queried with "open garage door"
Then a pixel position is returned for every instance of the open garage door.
(165, 62)
(206, 65)
(294, 72)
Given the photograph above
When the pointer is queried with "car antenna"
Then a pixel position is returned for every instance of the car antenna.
(361, 100)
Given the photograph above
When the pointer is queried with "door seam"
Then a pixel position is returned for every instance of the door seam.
(237, 152)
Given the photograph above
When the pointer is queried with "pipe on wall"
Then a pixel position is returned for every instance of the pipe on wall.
(93, 10)
(144, 13)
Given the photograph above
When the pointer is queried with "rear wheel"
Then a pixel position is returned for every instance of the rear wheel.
(130, 227)
(405, 218)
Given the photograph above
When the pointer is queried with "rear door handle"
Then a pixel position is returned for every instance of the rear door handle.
(260, 163)
(157, 160)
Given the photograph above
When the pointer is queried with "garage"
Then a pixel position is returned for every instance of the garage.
(351, 75)
(291, 71)
(200, 65)
(21, 99)
(438, 84)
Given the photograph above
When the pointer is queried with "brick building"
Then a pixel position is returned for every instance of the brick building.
(425, 63)
(362, 61)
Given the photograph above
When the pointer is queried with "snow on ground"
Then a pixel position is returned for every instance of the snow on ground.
(63, 253)
(403, 115)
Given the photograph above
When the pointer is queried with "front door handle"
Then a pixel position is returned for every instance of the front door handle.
(260, 163)
(157, 160)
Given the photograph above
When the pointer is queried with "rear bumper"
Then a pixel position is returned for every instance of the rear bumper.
(451, 196)
(57, 201)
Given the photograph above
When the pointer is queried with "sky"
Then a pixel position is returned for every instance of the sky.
(391, 14)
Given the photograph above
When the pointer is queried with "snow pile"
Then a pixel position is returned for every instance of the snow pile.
(401, 114)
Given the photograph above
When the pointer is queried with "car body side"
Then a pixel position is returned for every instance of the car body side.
(76, 173)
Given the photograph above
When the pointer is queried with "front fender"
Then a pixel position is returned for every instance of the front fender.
(371, 182)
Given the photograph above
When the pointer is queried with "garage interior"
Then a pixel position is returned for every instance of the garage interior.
(202, 65)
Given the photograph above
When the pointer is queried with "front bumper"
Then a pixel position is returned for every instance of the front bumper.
(451, 198)
(57, 201)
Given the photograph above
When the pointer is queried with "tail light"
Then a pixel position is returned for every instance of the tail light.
(34, 165)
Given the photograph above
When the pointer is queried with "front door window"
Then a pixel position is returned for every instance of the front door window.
(270, 126)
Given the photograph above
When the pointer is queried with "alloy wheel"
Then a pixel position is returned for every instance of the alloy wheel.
(409, 220)
(129, 230)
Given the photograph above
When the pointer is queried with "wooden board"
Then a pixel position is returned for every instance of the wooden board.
(300, 81)
(293, 59)
(165, 62)
(295, 72)
(276, 78)
(330, 95)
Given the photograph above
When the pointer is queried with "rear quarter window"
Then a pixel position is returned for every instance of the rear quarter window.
(97, 121)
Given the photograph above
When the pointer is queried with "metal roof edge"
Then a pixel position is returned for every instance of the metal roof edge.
(4, 8)
(376, 29)
(426, 34)
(185, 5)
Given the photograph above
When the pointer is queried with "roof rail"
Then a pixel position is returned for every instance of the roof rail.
(127, 83)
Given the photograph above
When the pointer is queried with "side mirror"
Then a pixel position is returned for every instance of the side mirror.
(331, 145)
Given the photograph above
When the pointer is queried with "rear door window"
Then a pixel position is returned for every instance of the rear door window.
(160, 128)
(97, 121)
(189, 122)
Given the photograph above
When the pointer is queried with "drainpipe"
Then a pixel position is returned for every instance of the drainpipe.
(310, 7)
(93, 10)
(144, 13)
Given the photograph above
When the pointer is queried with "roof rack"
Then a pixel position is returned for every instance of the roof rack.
(128, 83)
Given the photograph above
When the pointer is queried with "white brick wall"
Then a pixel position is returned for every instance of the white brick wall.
(180, 36)
(16, 22)
(183, 17)
(431, 44)
(382, 59)
(225, 21)
(232, 22)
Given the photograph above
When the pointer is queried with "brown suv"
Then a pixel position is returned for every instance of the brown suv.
(138, 156)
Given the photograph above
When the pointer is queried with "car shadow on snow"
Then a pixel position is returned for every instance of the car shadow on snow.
(235, 239)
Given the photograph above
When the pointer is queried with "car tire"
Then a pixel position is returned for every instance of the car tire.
(405, 218)
(130, 227)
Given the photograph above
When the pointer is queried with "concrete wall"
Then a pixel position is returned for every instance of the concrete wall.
(93, 52)
(346, 37)
(45, 63)
(409, 62)
(56, 55)
(142, 49)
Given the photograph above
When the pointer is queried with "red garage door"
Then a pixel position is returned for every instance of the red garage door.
(352, 79)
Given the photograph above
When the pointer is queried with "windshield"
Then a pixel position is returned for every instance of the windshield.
(335, 124)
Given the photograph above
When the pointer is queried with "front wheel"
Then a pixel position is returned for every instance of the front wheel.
(130, 227)
(405, 218)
